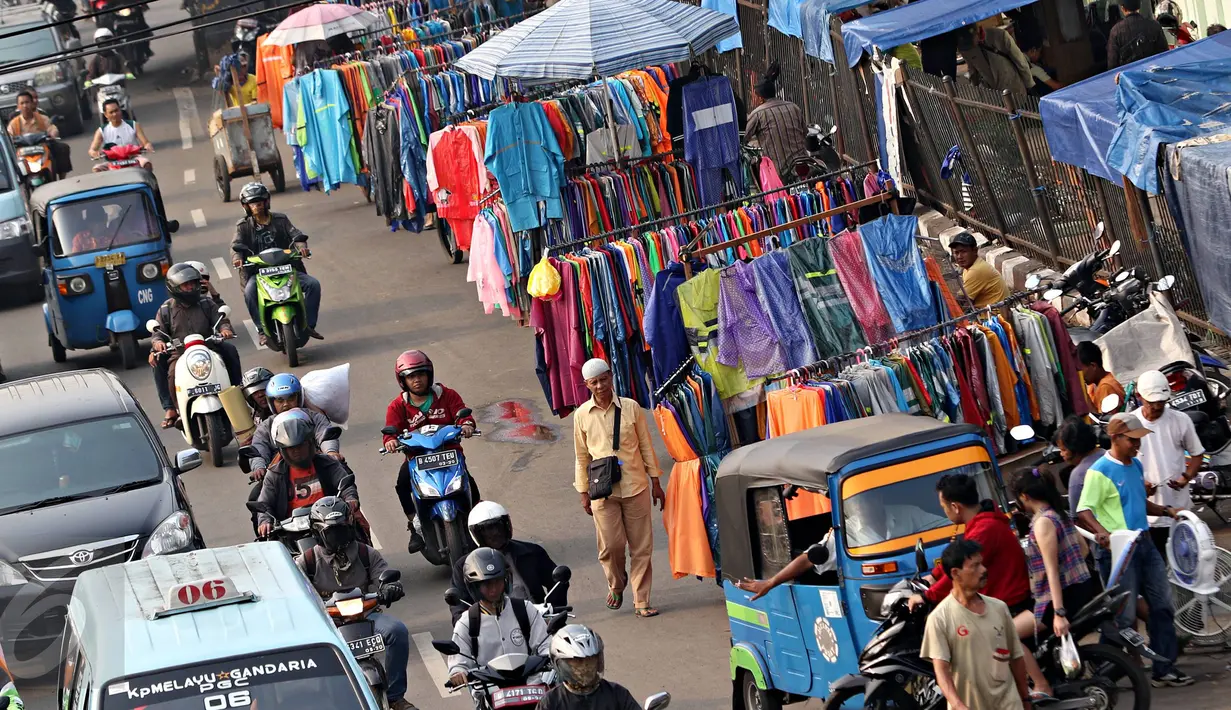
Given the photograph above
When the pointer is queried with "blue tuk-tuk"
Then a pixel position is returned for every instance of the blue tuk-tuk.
(875, 479)
(105, 242)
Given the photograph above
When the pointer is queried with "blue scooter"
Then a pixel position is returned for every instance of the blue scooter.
(442, 488)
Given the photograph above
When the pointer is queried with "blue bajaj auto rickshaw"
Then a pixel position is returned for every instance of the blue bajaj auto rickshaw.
(873, 482)
(105, 241)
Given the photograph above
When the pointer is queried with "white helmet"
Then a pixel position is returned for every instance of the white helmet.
(488, 519)
(199, 266)
(101, 34)
(577, 655)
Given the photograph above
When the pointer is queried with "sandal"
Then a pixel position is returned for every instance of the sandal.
(170, 421)
(1038, 696)
(615, 600)
(645, 612)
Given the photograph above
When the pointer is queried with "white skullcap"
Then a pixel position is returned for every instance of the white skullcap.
(593, 368)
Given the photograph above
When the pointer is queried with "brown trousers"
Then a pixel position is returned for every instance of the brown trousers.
(622, 522)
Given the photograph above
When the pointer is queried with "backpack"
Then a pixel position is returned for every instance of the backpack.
(309, 560)
(475, 619)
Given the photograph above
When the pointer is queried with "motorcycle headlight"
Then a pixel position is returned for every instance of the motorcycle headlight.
(173, 534)
(429, 490)
(10, 576)
(124, 11)
(455, 485)
(200, 365)
(278, 294)
(53, 74)
(17, 228)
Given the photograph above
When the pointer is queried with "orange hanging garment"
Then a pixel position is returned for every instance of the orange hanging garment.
(688, 544)
(274, 67)
(790, 410)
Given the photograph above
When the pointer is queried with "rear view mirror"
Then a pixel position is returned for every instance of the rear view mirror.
(389, 576)
(1120, 277)
(173, 225)
(1098, 231)
(1115, 248)
(389, 431)
(225, 310)
(187, 460)
(1052, 294)
(346, 482)
(256, 506)
(464, 412)
(561, 574)
(1033, 281)
(818, 554)
(300, 513)
(832, 131)
(152, 325)
(1022, 432)
(1109, 404)
(446, 647)
(332, 433)
(1165, 283)
(453, 597)
(657, 701)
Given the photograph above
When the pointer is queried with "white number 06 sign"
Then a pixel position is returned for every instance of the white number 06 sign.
(237, 699)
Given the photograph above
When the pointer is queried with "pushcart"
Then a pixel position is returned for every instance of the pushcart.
(234, 154)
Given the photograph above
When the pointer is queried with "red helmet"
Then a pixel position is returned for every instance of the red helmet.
(410, 362)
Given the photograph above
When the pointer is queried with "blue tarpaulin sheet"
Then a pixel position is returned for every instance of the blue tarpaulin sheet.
(917, 21)
(1167, 106)
(1200, 199)
(1080, 120)
(814, 20)
(784, 17)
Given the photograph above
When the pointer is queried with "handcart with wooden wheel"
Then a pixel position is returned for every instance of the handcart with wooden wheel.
(243, 136)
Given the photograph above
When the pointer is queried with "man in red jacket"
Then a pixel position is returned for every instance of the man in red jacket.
(422, 402)
(1008, 578)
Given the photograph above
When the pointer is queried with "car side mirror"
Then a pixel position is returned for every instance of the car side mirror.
(173, 226)
(453, 597)
(187, 460)
(657, 701)
(561, 574)
(389, 576)
(448, 648)
(332, 433)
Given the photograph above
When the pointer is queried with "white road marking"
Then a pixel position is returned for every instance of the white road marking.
(434, 662)
(375, 540)
(187, 106)
(222, 270)
(256, 338)
(198, 218)
(190, 176)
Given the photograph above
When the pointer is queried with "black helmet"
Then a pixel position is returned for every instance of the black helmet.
(177, 276)
(333, 523)
(291, 429)
(254, 381)
(253, 192)
(482, 565)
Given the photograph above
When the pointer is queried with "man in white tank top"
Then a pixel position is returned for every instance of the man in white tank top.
(117, 131)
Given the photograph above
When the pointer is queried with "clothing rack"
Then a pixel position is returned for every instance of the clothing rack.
(531, 95)
(684, 368)
(437, 15)
(606, 236)
(628, 162)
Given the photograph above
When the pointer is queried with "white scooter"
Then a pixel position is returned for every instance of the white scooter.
(108, 87)
(200, 378)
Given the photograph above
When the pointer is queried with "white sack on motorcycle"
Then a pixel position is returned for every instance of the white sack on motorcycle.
(1147, 341)
(329, 392)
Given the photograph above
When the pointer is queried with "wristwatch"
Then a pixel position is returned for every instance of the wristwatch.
(1061, 613)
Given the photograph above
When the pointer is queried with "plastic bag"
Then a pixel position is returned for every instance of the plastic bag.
(329, 392)
(1070, 660)
(544, 279)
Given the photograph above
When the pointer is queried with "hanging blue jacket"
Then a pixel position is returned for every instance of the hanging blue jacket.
(893, 259)
(324, 120)
(523, 154)
(663, 324)
(711, 135)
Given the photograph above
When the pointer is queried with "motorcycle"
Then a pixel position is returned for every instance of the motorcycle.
(34, 160)
(892, 674)
(130, 20)
(284, 315)
(246, 32)
(118, 157)
(112, 87)
(53, 13)
(295, 533)
(822, 157)
(441, 481)
(556, 616)
(350, 612)
(203, 421)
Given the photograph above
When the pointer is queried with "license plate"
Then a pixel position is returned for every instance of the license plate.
(204, 389)
(102, 261)
(522, 695)
(1132, 637)
(362, 648)
(440, 459)
(124, 163)
(1188, 400)
(275, 270)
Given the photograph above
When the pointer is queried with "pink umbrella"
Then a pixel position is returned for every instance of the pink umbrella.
(320, 22)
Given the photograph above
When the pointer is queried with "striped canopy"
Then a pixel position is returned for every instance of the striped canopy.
(580, 39)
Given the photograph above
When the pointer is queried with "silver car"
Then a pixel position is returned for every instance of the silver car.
(58, 85)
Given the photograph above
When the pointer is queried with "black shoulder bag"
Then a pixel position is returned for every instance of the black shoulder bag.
(605, 472)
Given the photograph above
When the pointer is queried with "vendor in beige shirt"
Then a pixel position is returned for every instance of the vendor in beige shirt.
(623, 519)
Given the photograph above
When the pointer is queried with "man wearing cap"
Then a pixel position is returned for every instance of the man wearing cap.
(1114, 498)
(979, 279)
(622, 519)
(1172, 457)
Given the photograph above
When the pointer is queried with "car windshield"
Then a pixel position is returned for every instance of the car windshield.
(111, 221)
(30, 45)
(886, 510)
(311, 677)
(72, 461)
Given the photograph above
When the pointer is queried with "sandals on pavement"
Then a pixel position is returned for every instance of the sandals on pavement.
(170, 421)
(645, 612)
(615, 600)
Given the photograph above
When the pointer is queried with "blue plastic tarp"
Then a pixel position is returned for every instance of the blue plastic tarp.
(1080, 120)
(1199, 195)
(1162, 106)
(784, 17)
(917, 21)
(814, 20)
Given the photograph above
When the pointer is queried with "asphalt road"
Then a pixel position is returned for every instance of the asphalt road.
(384, 293)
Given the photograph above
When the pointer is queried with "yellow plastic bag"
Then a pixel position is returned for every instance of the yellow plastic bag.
(544, 279)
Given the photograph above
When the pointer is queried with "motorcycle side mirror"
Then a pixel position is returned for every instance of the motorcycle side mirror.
(389, 576)
(561, 574)
(1115, 248)
(464, 412)
(173, 226)
(151, 325)
(256, 506)
(346, 482)
(1098, 230)
(1022, 433)
(921, 560)
(389, 431)
(556, 624)
(448, 648)
(657, 701)
(225, 310)
(453, 597)
(1033, 281)
(1109, 404)
(1052, 294)
(130, 75)
(333, 433)
(300, 513)
(1120, 277)
(1165, 283)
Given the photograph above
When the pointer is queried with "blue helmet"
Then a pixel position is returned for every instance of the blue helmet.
(285, 385)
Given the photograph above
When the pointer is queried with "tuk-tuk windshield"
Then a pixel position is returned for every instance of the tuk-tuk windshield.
(311, 677)
(107, 222)
(886, 510)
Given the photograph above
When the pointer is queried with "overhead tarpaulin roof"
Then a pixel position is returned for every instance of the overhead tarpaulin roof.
(814, 20)
(917, 21)
(1081, 120)
(1197, 184)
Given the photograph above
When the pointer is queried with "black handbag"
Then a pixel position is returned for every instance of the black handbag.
(605, 472)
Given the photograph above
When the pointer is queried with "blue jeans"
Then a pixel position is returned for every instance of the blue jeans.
(397, 653)
(311, 295)
(1146, 575)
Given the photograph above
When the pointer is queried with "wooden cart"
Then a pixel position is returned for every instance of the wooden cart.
(234, 154)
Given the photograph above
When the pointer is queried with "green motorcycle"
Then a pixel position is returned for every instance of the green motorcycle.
(9, 699)
(284, 315)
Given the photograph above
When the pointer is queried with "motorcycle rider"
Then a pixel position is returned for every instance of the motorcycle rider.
(186, 313)
(299, 476)
(207, 288)
(577, 656)
(107, 61)
(284, 393)
(530, 566)
(117, 131)
(340, 563)
(30, 120)
(259, 230)
(254, 383)
(422, 401)
(499, 623)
